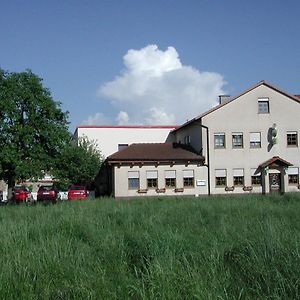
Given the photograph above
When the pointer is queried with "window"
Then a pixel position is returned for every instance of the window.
(255, 140)
(170, 178)
(220, 176)
(292, 139)
(255, 177)
(238, 177)
(293, 175)
(188, 178)
(219, 140)
(237, 140)
(122, 146)
(152, 179)
(187, 139)
(133, 180)
(263, 106)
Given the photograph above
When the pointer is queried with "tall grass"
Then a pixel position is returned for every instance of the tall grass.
(159, 248)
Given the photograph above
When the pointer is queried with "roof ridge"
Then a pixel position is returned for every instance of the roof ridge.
(252, 87)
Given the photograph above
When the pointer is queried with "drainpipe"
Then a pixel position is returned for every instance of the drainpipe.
(207, 150)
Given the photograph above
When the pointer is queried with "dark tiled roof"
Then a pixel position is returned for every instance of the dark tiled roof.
(159, 152)
(298, 96)
(275, 160)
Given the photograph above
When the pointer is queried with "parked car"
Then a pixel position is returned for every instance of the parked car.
(48, 193)
(77, 192)
(21, 194)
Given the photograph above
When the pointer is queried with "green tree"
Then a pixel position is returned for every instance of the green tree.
(78, 163)
(33, 128)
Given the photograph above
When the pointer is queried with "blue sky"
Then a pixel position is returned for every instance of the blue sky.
(96, 56)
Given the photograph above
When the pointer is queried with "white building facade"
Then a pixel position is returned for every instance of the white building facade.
(111, 139)
(250, 142)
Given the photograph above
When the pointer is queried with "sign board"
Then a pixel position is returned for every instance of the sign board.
(201, 182)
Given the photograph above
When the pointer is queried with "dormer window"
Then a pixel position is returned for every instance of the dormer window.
(263, 106)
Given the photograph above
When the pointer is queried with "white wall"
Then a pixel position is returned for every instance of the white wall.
(108, 138)
(241, 115)
(121, 180)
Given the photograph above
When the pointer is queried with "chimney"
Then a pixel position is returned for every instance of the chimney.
(223, 98)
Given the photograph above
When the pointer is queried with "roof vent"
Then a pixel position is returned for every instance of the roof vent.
(223, 98)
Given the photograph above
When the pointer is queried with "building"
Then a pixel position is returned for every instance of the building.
(153, 169)
(247, 144)
(111, 139)
(250, 141)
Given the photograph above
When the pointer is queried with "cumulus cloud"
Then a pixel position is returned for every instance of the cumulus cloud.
(156, 88)
(123, 118)
(96, 119)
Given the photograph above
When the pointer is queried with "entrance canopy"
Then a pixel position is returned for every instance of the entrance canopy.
(274, 162)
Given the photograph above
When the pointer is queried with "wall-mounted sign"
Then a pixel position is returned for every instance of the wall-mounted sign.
(201, 182)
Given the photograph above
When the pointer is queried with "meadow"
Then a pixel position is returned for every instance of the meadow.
(242, 247)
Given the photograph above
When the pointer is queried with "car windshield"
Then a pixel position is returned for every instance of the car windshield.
(20, 187)
(45, 188)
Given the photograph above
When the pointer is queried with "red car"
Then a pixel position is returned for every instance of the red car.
(77, 192)
(22, 194)
(47, 193)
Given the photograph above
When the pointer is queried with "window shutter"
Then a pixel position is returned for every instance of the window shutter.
(220, 173)
(151, 174)
(188, 173)
(255, 136)
(170, 174)
(238, 172)
(293, 171)
(133, 174)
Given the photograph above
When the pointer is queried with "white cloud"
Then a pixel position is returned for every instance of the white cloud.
(122, 118)
(97, 119)
(155, 88)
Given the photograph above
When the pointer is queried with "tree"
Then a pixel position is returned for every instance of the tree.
(78, 163)
(33, 128)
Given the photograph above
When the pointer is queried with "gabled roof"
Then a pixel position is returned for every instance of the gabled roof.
(155, 152)
(262, 82)
(275, 161)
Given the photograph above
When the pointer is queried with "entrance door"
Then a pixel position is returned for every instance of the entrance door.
(275, 179)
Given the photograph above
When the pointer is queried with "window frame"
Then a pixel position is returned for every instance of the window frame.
(253, 143)
(293, 173)
(234, 144)
(218, 134)
(288, 141)
(170, 179)
(188, 181)
(256, 180)
(266, 103)
(238, 177)
(151, 183)
(291, 179)
(130, 179)
(170, 183)
(220, 181)
(152, 179)
(187, 140)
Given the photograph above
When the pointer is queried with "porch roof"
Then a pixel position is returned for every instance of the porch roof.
(275, 161)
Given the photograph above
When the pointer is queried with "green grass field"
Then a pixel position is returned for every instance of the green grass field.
(159, 248)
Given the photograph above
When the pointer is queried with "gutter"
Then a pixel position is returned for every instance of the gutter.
(207, 150)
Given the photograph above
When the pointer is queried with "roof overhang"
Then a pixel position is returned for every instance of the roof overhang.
(274, 162)
(156, 162)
